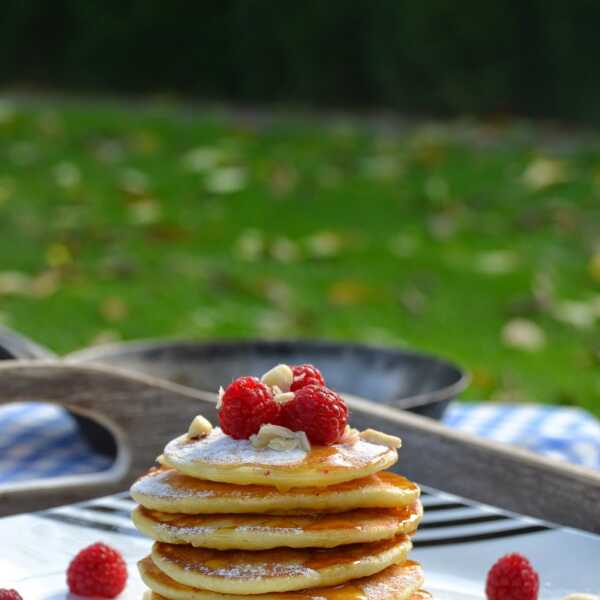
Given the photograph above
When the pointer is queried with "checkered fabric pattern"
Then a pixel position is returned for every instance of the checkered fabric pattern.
(39, 440)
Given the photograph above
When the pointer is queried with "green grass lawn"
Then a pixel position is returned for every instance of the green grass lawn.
(478, 243)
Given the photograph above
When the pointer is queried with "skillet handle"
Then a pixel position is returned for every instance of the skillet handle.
(141, 413)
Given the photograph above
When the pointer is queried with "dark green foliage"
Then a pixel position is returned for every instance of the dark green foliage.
(438, 56)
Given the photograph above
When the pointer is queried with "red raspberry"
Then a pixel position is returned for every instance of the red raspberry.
(10, 595)
(97, 571)
(319, 412)
(512, 578)
(246, 405)
(306, 375)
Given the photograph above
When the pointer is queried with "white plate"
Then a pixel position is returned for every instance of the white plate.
(457, 543)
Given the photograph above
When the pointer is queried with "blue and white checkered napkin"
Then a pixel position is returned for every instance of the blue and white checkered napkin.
(566, 433)
(39, 440)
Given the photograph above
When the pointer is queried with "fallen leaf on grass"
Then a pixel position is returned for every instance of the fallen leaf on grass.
(226, 180)
(497, 262)
(250, 245)
(275, 323)
(114, 309)
(45, 284)
(277, 292)
(201, 159)
(145, 212)
(282, 179)
(14, 283)
(443, 226)
(483, 380)
(109, 151)
(50, 123)
(581, 315)
(67, 175)
(523, 334)
(145, 142)
(133, 181)
(106, 336)
(167, 232)
(349, 292)
(543, 172)
(324, 244)
(284, 250)
(413, 299)
(58, 255)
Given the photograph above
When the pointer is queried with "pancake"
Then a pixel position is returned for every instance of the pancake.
(279, 570)
(421, 595)
(218, 457)
(167, 490)
(263, 532)
(398, 582)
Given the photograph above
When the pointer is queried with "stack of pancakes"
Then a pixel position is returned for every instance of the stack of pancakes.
(232, 520)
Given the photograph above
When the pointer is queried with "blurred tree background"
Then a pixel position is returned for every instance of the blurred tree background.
(475, 238)
(536, 58)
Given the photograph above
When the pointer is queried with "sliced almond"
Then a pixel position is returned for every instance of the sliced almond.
(350, 436)
(220, 400)
(277, 437)
(284, 397)
(283, 444)
(378, 437)
(200, 427)
(280, 376)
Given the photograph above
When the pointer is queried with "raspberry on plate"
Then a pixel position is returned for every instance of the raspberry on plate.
(305, 375)
(10, 595)
(319, 412)
(512, 578)
(246, 405)
(97, 571)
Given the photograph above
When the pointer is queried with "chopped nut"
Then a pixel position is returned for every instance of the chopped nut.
(281, 438)
(284, 397)
(378, 437)
(350, 436)
(280, 376)
(283, 444)
(199, 427)
(220, 400)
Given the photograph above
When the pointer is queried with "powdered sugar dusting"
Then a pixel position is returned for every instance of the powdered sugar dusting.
(270, 530)
(259, 570)
(221, 449)
(185, 531)
(157, 485)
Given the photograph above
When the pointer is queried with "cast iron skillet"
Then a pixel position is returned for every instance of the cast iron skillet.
(403, 379)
